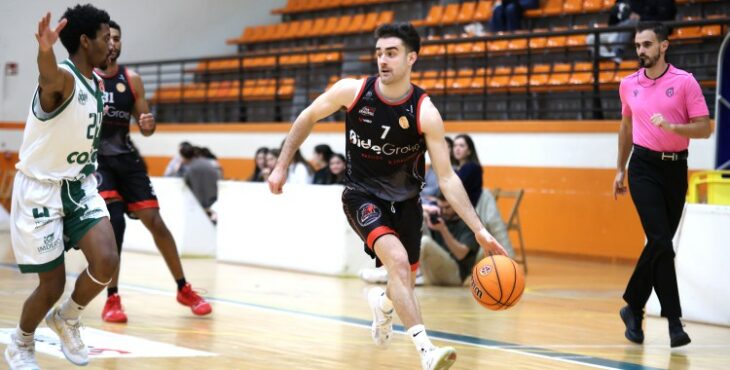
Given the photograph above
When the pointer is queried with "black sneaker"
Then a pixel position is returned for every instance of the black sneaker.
(634, 332)
(677, 336)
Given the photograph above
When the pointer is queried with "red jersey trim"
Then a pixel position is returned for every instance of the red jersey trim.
(131, 86)
(145, 204)
(415, 266)
(377, 233)
(418, 113)
(359, 95)
(104, 75)
(394, 104)
(110, 194)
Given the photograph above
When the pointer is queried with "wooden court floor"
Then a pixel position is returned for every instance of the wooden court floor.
(267, 319)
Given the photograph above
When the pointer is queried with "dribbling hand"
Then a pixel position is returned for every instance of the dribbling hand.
(276, 179)
(47, 38)
(489, 243)
(619, 187)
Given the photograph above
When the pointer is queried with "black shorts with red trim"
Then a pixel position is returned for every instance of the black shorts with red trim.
(124, 177)
(372, 217)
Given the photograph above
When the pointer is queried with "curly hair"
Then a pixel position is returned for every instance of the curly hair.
(82, 20)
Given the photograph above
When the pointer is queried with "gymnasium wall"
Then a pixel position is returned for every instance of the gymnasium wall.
(566, 169)
(152, 30)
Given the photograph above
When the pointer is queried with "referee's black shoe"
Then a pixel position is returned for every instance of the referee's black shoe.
(677, 336)
(634, 332)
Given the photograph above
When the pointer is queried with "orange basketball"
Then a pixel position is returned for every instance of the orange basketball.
(497, 282)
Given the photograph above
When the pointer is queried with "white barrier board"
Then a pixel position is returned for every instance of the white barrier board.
(702, 247)
(303, 229)
(194, 234)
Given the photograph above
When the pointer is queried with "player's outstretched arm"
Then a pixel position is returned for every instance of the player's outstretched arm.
(56, 84)
(141, 110)
(432, 127)
(342, 94)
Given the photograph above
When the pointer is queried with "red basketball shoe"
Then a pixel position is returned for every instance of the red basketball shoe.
(188, 297)
(113, 311)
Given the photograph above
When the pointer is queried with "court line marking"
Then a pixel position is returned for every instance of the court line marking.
(532, 351)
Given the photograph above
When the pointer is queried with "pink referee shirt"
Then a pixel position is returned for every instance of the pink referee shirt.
(676, 94)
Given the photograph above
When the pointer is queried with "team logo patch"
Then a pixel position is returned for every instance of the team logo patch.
(670, 92)
(49, 243)
(636, 92)
(367, 214)
(83, 97)
(485, 270)
(121, 88)
(403, 122)
(367, 111)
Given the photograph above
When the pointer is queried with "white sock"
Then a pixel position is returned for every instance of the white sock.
(23, 336)
(420, 338)
(70, 310)
(386, 305)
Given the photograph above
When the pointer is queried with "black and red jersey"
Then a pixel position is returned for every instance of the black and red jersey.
(119, 98)
(385, 146)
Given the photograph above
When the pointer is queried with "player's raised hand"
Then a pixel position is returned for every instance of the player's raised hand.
(488, 243)
(47, 37)
(277, 178)
(146, 122)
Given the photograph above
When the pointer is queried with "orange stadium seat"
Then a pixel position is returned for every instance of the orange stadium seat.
(329, 26)
(371, 20)
(517, 44)
(573, 6)
(356, 23)
(462, 82)
(518, 80)
(560, 77)
(552, 7)
(500, 79)
(556, 41)
(385, 17)
(467, 12)
(540, 75)
(577, 40)
(483, 11)
(497, 45)
(343, 24)
(592, 6)
(608, 4)
(451, 12)
(434, 16)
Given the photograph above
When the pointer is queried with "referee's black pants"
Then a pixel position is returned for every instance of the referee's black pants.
(658, 188)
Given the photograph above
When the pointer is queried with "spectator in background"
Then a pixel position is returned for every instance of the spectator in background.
(639, 11)
(431, 187)
(207, 154)
(300, 171)
(322, 155)
(201, 177)
(175, 168)
(271, 156)
(259, 164)
(337, 167)
(468, 167)
(507, 14)
(448, 247)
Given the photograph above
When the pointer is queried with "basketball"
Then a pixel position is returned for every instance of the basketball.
(497, 282)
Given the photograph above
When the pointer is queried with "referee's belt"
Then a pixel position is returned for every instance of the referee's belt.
(664, 156)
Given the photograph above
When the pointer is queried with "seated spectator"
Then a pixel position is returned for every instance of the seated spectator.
(468, 167)
(207, 154)
(175, 168)
(448, 247)
(337, 168)
(271, 156)
(507, 14)
(201, 177)
(641, 11)
(322, 155)
(300, 171)
(259, 164)
(431, 187)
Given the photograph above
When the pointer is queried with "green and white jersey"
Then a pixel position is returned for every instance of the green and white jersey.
(62, 145)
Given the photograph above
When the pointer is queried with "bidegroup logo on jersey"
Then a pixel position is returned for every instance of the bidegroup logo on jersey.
(385, 149)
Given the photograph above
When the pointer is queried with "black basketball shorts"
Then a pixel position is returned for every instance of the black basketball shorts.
(372, 217)
(124, 177)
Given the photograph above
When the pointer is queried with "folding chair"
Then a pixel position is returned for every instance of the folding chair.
(513, 221)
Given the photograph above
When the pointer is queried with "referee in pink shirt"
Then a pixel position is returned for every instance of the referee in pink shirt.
(662, 108)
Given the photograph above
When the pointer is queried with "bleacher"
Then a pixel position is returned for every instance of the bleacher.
(549, 72)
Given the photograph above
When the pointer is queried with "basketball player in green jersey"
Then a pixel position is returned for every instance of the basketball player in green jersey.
(55, 204)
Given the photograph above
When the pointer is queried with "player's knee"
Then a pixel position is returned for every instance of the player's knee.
(104, 265)
(155, 224)
(52, 289)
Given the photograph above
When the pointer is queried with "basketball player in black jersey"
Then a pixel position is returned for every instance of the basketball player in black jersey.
(389, 126)
(123, 179)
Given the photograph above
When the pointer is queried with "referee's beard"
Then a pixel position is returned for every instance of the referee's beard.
(646, 61)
